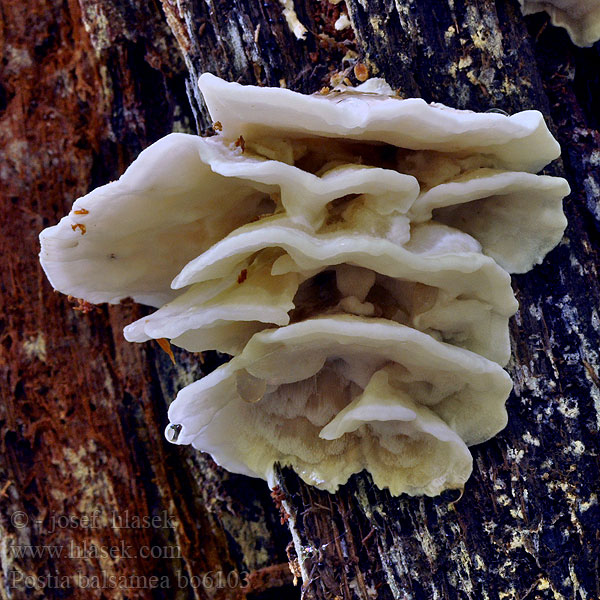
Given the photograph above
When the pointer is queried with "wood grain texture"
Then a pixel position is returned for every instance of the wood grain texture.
(84, 86)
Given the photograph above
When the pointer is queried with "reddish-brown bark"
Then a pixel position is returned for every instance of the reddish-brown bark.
(85, 86)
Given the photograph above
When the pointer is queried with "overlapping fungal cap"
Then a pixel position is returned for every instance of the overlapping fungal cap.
(581, 18)
(517, 217)
(131, 237)
(437, 281)
(305, 195)
(371, 113)
(351, 250)
(331, 396)
(458, 157)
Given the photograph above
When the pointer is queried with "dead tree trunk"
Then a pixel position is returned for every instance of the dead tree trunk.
(84, 86)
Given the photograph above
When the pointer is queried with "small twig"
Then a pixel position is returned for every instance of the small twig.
(3, 493)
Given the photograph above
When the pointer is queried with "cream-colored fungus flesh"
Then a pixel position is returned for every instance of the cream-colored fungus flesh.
(352, 251)
(398, 389)
(223, 314)
(372, 113)
(581, 18)
(131, 237)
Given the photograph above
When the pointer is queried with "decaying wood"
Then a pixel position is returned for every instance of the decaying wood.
(86, 85)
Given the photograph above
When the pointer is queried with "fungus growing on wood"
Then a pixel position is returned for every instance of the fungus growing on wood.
(581, 18)
(437, 280)
(331, 396)
(353, 254)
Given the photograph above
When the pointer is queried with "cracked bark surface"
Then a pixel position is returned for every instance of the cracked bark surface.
(84, 87)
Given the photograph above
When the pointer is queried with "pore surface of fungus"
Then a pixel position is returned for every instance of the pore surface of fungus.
(352, 251)
(347, 382)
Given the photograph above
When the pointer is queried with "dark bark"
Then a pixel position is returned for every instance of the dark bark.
(84, 87)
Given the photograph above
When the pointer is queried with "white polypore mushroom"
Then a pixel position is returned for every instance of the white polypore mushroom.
(222, 314)
(372, 113)
(375, 232)
(581, 18)
(434, 254)
(305, 195)
(390, 425)
(132, 236)
(486, 154)
(185, 193)
(434, 398)
(517, 217)
(438, 283)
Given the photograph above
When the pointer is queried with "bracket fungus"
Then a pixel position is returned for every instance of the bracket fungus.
(581, 18)
(352, 253)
